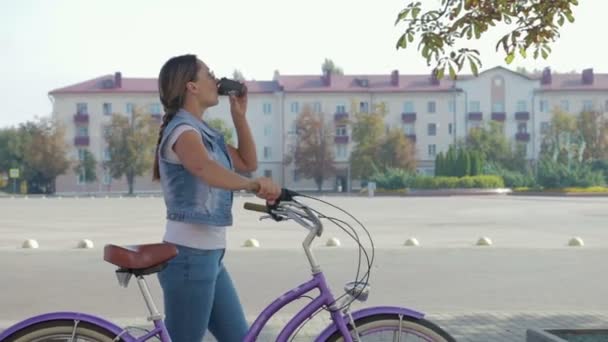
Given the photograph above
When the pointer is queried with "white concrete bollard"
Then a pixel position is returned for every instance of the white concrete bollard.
(30, 243)
(576, 242)
(253, 243)
(411, 242)
(85, 243)
(484, 241)
(333, 242)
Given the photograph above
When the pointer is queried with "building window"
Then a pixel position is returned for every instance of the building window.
(522, 106)
(267, 108)
(544, 106)
(408, 107)
(82, 131)
(431, 106)
(341, 131)
(431, 129)
(267, 152)
(268, 173)
(341, 151)
(107, 109)
(498, 107)
(130, 108)
(364, 107)
(82, 108)
(106, 154)
(409, 129)
(340, 108)
(267, 130)
(81, 153)
(295, 107)
(522, 127)
(432, 150)
(155, 109)
(474, 107)
(452, 106)
(107, 178)
(544, 127)
(450, 128)
(317, 107)
(564, 105)
(587, 105)
(81, 177)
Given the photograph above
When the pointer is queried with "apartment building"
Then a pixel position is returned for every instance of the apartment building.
(432, 113)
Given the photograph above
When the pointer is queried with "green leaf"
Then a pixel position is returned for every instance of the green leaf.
(561, 20)
(415, 12)
(440, 72)
(545, 54)
(452, 72)
(402, 15)
(522, 52)
(474, 67)
(410, 37)
(569, 16)
(402, 43)
(510, 57)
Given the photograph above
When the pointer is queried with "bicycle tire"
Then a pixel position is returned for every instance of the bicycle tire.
(56, 329)
(366, 326)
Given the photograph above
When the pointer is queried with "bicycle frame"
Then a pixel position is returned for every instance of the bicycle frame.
(325, 298)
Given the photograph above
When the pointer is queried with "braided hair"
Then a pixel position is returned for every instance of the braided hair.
(172, 80)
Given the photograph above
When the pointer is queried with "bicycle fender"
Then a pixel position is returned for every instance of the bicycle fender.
(72, 316)
(374, 310)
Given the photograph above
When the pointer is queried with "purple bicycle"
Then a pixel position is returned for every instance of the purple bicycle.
(383, 323)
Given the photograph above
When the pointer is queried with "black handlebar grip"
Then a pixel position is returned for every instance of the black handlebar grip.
(256, 207)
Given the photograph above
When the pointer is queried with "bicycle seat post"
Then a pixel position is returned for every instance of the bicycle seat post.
(145, 291)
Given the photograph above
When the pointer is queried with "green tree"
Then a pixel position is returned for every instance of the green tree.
(441, 30)
(440, 165)
(367, 132)
(132, 142)
(563, 142)
(221, 126)
(329, 67)
(493, 146)
(313, 153)
(86, 167)
(44, 154)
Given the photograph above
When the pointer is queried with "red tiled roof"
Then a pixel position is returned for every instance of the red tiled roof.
(575, 82)
(338, 84)
(349, 83)
(143, 85)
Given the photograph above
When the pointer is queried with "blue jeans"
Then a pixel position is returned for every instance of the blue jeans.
(199, 294)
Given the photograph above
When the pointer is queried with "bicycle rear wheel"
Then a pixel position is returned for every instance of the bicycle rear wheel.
(62, 331)
(388, 327)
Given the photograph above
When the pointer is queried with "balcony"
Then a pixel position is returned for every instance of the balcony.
(81, 141)
(81, 118)
(341, 139)
(522, 137)
(475, 116)
(408, 117)
(522, 116)
(411, 137)
(499, 116)
(340, 116)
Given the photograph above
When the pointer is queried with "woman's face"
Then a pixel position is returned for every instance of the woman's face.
(205, 87)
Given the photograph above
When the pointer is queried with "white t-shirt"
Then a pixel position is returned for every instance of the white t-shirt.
(192, 235)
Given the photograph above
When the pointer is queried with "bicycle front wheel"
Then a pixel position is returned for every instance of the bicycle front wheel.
(388, 327)
(62, 331)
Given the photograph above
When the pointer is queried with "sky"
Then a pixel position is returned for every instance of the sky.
(51, 44)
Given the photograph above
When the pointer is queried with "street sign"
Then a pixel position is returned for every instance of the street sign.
(14, 173)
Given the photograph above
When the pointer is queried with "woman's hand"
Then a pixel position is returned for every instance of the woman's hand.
(238, 105)
(265, 188)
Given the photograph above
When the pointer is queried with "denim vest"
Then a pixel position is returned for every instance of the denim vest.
(187, 197)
